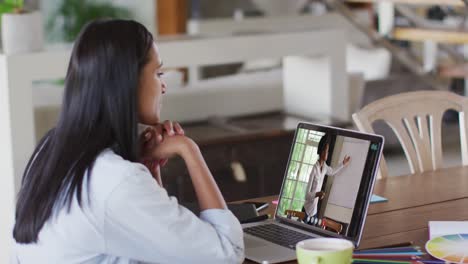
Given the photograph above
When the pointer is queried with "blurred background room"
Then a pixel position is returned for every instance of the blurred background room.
(240, 74)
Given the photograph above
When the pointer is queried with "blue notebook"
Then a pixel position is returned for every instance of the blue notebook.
(377, 199)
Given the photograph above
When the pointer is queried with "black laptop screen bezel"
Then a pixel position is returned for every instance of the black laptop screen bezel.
(365, 188)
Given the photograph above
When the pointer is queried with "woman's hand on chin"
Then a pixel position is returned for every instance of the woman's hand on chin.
(164, 130)
(177, 145)
(151, 138)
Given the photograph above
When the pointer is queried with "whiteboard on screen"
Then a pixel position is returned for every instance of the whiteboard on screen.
(346, 184)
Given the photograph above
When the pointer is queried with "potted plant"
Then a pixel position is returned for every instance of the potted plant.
(21, 30)
(70, 16)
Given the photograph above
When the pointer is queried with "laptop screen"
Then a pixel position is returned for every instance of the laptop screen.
(329, 180)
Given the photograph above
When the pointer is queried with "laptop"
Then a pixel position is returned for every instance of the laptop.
(326, 192)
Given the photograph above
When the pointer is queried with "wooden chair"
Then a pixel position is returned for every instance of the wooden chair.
(332, 225)
(416, 119)
(291, 213)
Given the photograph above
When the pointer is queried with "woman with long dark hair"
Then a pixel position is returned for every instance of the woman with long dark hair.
(86, 196)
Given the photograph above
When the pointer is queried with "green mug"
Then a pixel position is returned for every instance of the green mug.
(324, 251)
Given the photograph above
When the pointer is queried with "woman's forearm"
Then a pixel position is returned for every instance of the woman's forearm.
(208, 194)
(336, 170)
(310, 195)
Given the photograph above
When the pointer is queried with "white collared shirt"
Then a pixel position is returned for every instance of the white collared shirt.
(131, 219)
(315, 185)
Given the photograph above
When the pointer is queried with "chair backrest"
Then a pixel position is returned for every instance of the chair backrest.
(332, 225)
(416, 120)
(292, 213)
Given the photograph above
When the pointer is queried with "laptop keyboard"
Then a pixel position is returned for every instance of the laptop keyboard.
(277, 234)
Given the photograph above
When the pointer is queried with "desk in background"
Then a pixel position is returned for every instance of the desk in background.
(260, 144)
(413, 201)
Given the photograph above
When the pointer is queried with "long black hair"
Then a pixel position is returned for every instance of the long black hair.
(324, 141)
(99, 111)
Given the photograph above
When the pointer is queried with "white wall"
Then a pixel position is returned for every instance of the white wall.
(346, 184)
(7, 186)
(313, 88)
(143, 10)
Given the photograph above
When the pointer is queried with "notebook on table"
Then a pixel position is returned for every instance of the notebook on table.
(442, 228)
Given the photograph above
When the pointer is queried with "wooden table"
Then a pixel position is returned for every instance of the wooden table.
(413, 201)
(436, 35)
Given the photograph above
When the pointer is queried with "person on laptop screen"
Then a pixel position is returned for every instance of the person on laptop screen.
(325, 173)
(312, 205)
(317, 176)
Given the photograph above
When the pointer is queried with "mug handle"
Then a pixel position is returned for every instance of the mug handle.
(315, 260)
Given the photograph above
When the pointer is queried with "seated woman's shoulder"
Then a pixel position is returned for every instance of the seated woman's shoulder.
(110, 169)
